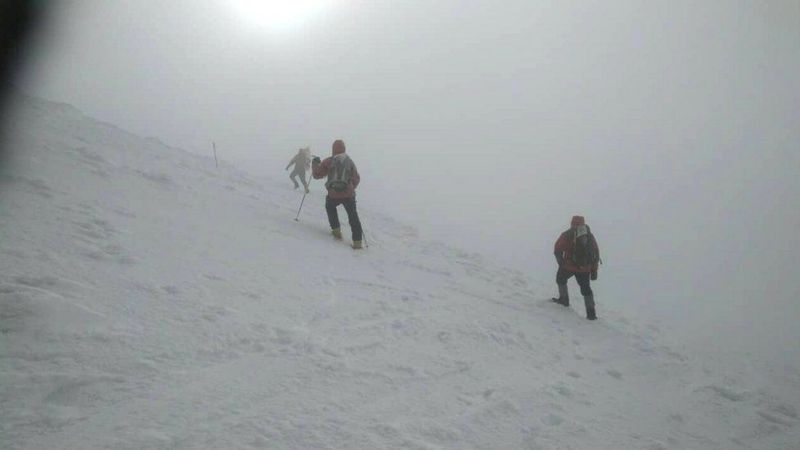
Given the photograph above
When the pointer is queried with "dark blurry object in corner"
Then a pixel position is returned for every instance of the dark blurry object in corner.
(18, 21)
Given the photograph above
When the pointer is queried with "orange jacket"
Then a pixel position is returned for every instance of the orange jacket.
(564, 247)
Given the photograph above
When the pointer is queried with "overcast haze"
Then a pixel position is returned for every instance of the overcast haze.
(671, 125)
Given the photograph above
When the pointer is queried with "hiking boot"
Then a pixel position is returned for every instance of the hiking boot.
(589, 301)
(563, 295)
(357, 245)
(337, 233)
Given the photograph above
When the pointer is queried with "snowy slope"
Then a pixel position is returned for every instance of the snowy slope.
(151, 300)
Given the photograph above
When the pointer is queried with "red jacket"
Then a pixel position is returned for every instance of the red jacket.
(564, 247)
(321, 170)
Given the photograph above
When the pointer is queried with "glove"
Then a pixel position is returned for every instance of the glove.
(316, 160)
(594, 275)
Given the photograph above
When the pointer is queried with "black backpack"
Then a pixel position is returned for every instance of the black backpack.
(339, 173)
(583, 251)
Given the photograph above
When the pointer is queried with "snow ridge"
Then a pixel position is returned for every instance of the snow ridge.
(151, 300)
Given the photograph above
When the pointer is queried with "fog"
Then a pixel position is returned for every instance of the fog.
(672, 126)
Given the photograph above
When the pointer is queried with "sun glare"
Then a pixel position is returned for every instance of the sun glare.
(279, 14)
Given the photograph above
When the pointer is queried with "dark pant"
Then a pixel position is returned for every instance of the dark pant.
(583, 280)
(352, 214)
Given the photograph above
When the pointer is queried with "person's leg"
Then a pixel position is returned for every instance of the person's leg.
(588, 295)
(561, 280)
(304, 180)
(583, 282)
(291, 177)
(352, 217)
(333, 217)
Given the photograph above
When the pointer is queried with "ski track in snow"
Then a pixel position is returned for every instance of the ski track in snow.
(150, 300)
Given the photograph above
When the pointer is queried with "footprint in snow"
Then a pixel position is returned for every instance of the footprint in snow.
(81, 392)
(111, 252)
(214, 313)
(214, 277)
(159, 178)
(251, 295)
(86, 207)
(677, 418)
(171, 290)
(90, 156)
(776, 418)
(553, 420)
(786, 410)
(726, 393)
(33, 185)
(563, 391)
(42, 282)
(124, 213)
(405, 370)
(614, 373)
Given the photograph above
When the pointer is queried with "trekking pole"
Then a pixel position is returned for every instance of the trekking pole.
(364, 235)
(308, 183)
(297, 218)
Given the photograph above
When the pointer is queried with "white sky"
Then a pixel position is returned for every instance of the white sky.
(673, 126)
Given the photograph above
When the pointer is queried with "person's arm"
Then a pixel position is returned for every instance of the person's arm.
(355, 178)
(293, 161)
(319, 170)
(596, 252)
(559, 249)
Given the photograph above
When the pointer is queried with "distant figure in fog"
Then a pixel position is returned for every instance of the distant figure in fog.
(577, 255)
(301, 161)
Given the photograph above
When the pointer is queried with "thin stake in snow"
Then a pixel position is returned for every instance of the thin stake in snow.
(214, 144)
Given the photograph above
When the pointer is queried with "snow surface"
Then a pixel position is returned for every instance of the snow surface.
(151, 300)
